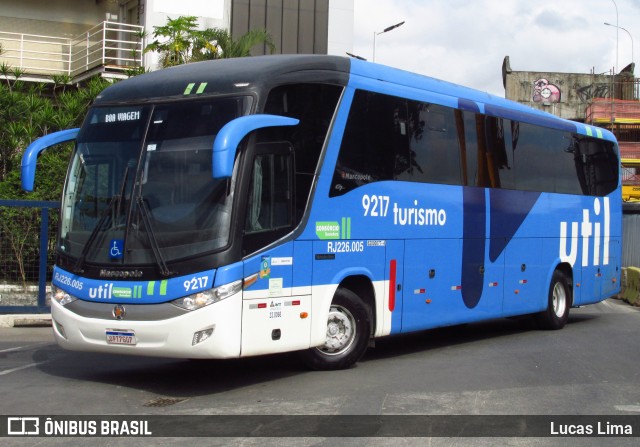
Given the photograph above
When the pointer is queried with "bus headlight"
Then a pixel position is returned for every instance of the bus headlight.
(62, 297)
(202, 299)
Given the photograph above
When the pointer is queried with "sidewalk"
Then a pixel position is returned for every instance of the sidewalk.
(25, 320)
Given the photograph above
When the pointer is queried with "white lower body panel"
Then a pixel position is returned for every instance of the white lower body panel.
(172, 337)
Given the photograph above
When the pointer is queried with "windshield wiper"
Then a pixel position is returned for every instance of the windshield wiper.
(117, 199)
(155, 247)
(77, 268)
(123, 185)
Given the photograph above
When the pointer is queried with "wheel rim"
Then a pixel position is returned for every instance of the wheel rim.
(559, 300)
(341, 331)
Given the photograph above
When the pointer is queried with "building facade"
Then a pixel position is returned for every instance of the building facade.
(80, 38)
(566, 94)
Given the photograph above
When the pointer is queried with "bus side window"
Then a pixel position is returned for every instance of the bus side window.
(597, 166)
(391, 138)
(269, 212)
(434, 145)
(314, 105)
(375, 145)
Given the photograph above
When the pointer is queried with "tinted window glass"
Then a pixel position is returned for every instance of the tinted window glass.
(390, 138)
(502, 153)
(596, 165)
(153, 161)
(375, 134)
(544, 160)
(434, 150)
(314, 105)
(269, 205)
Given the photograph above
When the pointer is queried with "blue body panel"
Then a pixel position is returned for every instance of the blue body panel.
(450, 272)
(486, 252)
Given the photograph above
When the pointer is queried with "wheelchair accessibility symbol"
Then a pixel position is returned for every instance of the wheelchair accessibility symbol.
(117, 248)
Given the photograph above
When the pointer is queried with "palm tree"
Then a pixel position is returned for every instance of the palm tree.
(180, 42)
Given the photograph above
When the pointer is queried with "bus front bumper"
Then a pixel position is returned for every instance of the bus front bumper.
(210, 332)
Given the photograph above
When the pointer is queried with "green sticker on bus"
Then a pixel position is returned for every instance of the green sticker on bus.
(328, 230)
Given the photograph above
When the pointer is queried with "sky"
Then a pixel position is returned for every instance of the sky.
(465, 41)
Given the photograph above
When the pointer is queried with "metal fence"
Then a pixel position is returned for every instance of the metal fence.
(27, 241)
(631, 236)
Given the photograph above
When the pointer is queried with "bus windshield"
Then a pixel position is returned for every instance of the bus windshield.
(140, 184)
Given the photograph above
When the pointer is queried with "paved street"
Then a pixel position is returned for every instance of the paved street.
(501, 367)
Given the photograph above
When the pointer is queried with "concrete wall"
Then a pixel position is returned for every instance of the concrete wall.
(562, 94)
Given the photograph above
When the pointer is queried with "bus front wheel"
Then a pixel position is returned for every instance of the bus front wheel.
(557, 313)
(348, 330)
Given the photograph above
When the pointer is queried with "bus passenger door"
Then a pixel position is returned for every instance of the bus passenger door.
(272, 319)
(272, 314)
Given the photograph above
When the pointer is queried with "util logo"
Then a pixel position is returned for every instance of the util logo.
(598, 230)
(103, 291)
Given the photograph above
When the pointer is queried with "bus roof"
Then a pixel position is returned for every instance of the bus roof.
(252, 73)
(227, 76)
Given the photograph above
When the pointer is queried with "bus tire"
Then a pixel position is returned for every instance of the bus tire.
(348, 330)
(557, 313)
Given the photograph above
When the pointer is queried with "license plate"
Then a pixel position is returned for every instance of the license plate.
(115, 337)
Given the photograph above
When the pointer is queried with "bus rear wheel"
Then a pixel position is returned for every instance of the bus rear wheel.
(348, 330)
(557, 313)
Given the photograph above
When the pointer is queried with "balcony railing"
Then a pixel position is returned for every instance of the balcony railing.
(109, 46)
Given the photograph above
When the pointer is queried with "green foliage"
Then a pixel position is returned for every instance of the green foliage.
(135, 71)
(27, 112)
(175, 40)
(180, 42)
(61, 81)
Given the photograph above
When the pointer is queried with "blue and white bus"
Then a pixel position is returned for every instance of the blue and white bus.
(313, 203)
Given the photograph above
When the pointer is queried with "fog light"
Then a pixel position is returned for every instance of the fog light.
(200, 336)
(60, 329)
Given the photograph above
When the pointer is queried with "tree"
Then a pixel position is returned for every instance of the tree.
(27, 112)
(179, 37)
(180, 42)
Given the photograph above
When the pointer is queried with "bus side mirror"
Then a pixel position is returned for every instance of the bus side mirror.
(30, 156)
(229, 137)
